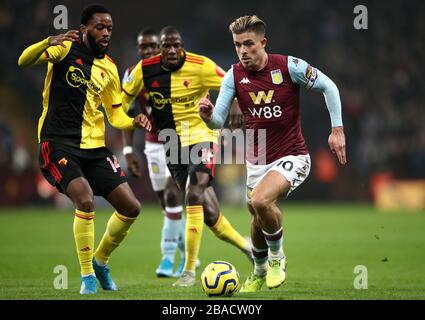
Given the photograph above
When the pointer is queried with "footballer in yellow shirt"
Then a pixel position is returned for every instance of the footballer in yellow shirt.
(176, 80)
(72, 152)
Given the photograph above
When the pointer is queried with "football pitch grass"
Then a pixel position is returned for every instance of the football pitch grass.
(323, 243)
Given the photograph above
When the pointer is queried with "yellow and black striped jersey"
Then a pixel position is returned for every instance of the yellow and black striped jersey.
(76, 85)
(175, 94)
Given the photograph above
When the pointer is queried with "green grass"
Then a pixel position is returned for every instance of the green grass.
(323, 244)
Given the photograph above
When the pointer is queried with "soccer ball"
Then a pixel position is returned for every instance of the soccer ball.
(220, 279)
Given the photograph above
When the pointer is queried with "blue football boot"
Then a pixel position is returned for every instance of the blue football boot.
(88, 285)
(103, 274)
(165, 269)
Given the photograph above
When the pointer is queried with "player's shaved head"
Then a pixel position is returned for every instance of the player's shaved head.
(248, 24)
(147, 32)
(168, 31)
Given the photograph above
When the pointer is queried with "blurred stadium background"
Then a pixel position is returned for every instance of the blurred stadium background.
(378, 72)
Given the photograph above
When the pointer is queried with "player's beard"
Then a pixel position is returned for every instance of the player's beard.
(98, 52)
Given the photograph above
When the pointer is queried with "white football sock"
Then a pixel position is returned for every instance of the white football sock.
(170, 232)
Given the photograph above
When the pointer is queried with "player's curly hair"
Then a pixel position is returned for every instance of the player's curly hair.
(248, 23)
(89, 11)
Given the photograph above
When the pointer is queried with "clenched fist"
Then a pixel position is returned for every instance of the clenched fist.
(206, 109)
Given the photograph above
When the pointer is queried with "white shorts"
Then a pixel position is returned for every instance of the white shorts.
(295, 169)
(157, 165)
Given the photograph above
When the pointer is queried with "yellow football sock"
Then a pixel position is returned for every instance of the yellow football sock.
(84, 239)
(194, 227)
(116, 231)
(224, 231)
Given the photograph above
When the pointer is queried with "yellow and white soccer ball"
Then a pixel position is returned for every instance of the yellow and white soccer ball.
(220, 279)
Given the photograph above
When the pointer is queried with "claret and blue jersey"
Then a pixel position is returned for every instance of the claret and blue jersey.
(270, 100)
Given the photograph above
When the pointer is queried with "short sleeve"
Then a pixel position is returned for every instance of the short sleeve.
(111, 95)
(132, 85)
(212, 75)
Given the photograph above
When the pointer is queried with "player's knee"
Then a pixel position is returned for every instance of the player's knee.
(259, 202)
(172, 197)
(210, 218)
(194, 195)
(211, 213)
(132, 209)
(85, 203)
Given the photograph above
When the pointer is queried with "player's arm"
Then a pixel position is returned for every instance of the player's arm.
(127, 137)
(212, 75)
(305, 75)
(132, 86)
(52, 49)
(112, 103)
(214, 117)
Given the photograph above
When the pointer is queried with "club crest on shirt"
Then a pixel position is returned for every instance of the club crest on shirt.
(186, 83)
(277, 77)
(63, 162)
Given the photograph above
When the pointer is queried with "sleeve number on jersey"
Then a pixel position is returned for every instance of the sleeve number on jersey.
(266, 112)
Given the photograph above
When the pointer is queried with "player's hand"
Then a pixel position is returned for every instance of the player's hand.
(236, 117)
(71, 35)
(133, 164)
(141, 121)
(206, 109)
(337, 144)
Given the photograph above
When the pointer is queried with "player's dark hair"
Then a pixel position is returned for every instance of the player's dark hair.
(247, 24)
(89, 11)
(168, 30)
(147, 32)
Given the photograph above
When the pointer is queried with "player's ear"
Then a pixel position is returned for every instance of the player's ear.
(264, 42)
(83, 29)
